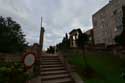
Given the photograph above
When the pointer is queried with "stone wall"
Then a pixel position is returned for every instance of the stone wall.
(5, 57)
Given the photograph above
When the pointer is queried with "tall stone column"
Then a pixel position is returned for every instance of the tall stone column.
(41, 36)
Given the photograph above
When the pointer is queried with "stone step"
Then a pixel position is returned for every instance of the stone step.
(52, 69)
(51, 65)
(66, 80)
(56, 61)
(58, 64)
(47, 62)
(53, 72)
(58, 76)
(48, 56)
(50, 60)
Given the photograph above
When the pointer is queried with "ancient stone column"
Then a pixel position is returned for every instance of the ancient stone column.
(41, 36)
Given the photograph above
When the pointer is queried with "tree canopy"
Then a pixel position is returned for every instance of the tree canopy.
(120, 39)
(11, 36)
(82, 40)
(51, 49)
(65, 44)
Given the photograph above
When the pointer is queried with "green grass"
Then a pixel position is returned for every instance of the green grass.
(106, 66)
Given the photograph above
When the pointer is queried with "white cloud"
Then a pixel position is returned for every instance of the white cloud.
(59, 16)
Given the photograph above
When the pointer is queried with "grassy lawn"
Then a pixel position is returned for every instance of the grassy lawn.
(107, 67)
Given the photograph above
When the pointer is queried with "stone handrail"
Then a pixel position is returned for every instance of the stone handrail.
(66, 64)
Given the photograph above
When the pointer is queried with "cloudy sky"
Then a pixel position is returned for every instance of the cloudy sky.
(59, 16)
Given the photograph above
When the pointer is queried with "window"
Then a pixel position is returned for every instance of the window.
(74, 38)
(102, 14)
(123, 9)
(103, 19)
(77, 35)
(90, 38)
(115, 29)
(119, 28)
(115, 12)
(101, 26)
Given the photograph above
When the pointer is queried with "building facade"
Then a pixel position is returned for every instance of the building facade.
(108, 22)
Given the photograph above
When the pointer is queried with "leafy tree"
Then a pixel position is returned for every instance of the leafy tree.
(11, 36)
(82, 40)
(120, 39)
(66, 35)
(51, 49)
(65, 42)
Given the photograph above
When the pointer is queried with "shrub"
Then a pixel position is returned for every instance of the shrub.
(12, 73)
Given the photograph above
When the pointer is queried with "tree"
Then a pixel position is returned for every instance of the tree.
(120, 39)
(66, 36)
(51, 49)
(65, 42)
(82, 40)
(11, 36)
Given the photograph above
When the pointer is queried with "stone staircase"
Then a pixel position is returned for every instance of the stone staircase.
(52, 70)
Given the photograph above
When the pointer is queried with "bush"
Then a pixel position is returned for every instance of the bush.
(12, 38)
(89, 72)
(12, 73)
